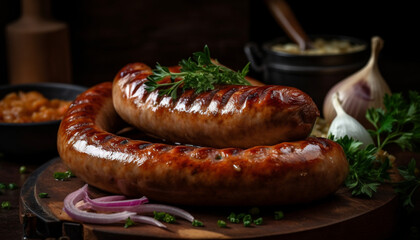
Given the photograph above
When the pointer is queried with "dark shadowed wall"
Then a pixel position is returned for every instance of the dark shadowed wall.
(107, 34)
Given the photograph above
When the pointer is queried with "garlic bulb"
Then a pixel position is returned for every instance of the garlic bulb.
(344, 124)
(361, 91)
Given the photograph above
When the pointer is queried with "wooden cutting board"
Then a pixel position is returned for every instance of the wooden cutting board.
(339, 216)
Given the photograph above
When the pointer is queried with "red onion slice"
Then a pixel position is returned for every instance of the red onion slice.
(110, 198)
(89, 217)
(146, 208)
(147, 220)
(122, 209)
(150, 208)
(121, 203)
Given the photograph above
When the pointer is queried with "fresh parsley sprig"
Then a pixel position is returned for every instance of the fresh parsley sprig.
(399, 123)
(199, 73)
(366, 172)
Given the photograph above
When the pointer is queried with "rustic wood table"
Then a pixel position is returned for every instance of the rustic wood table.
(14, 224)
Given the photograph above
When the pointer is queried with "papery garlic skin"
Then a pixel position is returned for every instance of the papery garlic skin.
(361, 91)
(345, 125)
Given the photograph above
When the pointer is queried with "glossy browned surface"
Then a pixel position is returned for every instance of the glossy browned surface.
(228, 116)
(289, 172)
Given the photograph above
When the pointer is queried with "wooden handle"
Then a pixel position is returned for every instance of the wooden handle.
(287, 20)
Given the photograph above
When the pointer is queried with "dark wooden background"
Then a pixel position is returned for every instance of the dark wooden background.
(107, 34)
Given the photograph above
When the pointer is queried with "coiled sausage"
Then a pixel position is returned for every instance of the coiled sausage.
(289, 172)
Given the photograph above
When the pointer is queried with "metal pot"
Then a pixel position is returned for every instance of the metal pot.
(313, 74)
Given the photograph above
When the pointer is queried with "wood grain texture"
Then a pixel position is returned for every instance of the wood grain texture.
(337, 217)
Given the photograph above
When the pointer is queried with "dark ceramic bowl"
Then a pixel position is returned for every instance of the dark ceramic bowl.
(34, 139)
(313, 74)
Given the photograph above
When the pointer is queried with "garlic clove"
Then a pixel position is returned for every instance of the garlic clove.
(361, 91)
(345, 125)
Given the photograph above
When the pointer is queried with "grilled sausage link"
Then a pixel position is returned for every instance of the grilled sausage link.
(228, 116)
(289, 172)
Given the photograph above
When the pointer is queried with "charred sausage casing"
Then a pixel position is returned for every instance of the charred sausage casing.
(228, 116)
(286, 173)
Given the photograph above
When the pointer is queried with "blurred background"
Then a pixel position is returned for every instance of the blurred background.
(105, 35)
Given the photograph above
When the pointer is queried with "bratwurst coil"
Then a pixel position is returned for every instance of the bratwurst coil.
(228, 116)
(289, 172)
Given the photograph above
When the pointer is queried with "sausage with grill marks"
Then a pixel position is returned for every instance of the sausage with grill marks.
(228, 116)
(286, 173)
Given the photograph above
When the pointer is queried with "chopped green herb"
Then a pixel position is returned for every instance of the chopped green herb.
(169, 218)
(128, 223)
(159, 215)
(60, 176)
(199, 73)
(221, 223)
(22, 169)
(6, 205)
(240, 216)
(232, 218)
(63, 175)
(258, 221)
(247, 220)
(12, 186)
(162, 216)
(2, 186)
(69, 174)
(43, 195)
(197, 223)
(278, 215)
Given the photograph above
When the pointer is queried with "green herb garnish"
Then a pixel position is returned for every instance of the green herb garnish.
(2, 186)
(22, 169)
(221, 223)
(399, 123)
(69, 174)
(43, 195)
(165, 217)
(63, 175)
(6, 205)
(278, 215)
(408, 186)
(258, 221)
(232, 218)
(12, 186)
(197, 223)
(247, 220)
(366, 172)
(199, 73)
(128, 223)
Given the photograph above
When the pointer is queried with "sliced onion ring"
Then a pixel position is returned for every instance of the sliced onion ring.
(110, 198)
(120, 203)
(122, 208)
(146, 208)
(147, 220)
(89, 217)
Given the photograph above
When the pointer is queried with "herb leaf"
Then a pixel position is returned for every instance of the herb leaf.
(163, 216)
(128, 223)
(199, 73)
(399, 123)
(197, 223)
(366, 173)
